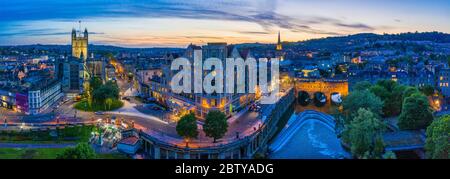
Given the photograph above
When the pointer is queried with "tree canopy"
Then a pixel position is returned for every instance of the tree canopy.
(416, 113)
(364, 135)
(105, 91)
(187, 126)
(81, 151)
(437, 144)
(215, 125)
(362, 99)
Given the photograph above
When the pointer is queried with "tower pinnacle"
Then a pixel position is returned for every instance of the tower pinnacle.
(279, 45)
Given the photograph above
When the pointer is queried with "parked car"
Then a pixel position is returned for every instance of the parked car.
(99, 113)
(151, 100)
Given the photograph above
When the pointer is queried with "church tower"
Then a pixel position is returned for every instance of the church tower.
(279, 50)
(80, 44)
(279, 45)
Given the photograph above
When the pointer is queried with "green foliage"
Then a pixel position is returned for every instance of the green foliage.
(103, 92)
(215, 125)
(427, 90)
(437, 144)
(187, 126)
(81, 151)
(364, 134)
(108, 102)
(392, 94)
(24, 153)
(389, 155)
(387, 84)
(416, 113)
(395, 102)
(363, 85)
(381, 92)
(362, 99)
(84, 105)
(67, 134)
(409, 91)
(95, 83)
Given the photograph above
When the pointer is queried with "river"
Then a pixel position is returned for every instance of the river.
(313, 140)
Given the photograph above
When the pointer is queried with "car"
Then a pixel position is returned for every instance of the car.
(151, 100)
(156, 108)
(99, 113)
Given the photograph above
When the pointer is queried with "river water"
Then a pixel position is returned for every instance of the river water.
(313, 140)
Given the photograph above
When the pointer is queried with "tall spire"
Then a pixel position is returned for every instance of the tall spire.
(279, 45)
(279, 38)
(79, 28)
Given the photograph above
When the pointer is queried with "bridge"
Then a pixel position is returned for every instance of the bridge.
(296, 122)
(404, 140)
(325, 86)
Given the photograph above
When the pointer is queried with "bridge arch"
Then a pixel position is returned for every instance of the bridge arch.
(326, 86)
(304, 98)
(320, 99)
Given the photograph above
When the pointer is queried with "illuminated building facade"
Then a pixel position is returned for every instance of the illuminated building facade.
(443, 82)
(80, 44)
(325, 86)
(279, 49)
(201, 103)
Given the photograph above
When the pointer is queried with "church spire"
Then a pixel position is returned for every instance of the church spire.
(279, 45)
(279, 38)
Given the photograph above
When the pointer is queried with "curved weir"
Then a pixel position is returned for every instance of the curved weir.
(308, 135)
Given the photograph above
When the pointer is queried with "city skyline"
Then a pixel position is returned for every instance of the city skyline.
(162, 23)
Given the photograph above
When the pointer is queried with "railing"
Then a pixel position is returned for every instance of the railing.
(223, 144)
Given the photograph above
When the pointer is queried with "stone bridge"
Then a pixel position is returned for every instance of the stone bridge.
(325, 86)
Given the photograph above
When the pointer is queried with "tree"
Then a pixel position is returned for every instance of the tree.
(81, 151)
(396, 100)
(437, 144)
(215, 125)
(387, 84)
(391, 93)
(364, 135)
(95, 83)
(362, 99)
(380, 91)
(416, 113)
(109, 102)
(409, 91)
(363, 85)
(187, 126)
(428, 90)
(103, 92)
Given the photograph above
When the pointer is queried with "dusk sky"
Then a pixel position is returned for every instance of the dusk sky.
(176, 23)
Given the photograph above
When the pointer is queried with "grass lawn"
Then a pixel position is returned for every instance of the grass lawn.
(46, 153)
(65, 135)
(21, 153)
(112, 156)
(83, 106)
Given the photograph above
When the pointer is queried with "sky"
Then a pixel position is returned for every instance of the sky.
(177, 23)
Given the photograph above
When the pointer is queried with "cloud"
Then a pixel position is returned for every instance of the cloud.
(38, 32)
(254, 32)
(355, 26)
(261, 12)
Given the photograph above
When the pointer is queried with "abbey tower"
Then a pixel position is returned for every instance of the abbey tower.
(80, 44)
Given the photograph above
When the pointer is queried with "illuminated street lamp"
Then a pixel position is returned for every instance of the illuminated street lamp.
(187, 142)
